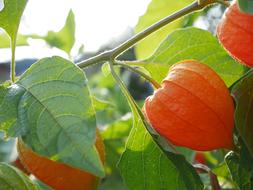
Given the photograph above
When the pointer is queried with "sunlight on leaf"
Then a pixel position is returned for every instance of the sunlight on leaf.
(10, 16)
(63, 39)
(197, 44)
(5, 41)
(52, 110)
(157, 10)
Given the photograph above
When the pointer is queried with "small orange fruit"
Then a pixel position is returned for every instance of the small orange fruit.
(193, 108)
(57, 175)
(235, 33)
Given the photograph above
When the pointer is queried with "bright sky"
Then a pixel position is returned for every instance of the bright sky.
(97, 21)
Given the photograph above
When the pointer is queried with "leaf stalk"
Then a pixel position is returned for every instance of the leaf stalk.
(145, 76)
(13, 63)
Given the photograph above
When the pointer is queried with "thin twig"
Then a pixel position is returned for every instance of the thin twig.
(225, 3)
(153, 28)
(114, 53)
(150, 79)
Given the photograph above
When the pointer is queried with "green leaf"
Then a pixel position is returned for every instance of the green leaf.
(63, 39)
(157, 10)
(246, 5)
(9, 99)
(112, 182)
(10, 16)
(42, 185)
(11, 178)
(54, 113)
(115, 136)
(221, 170)
(192, 43)
(118, 129)
(101, 104)
(144, 165)
(241, 169)
(5, 41)
(106, 69)
(242, 92)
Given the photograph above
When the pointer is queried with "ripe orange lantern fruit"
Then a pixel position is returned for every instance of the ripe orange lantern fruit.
(57, 175)
(236, 35)
(193, 108)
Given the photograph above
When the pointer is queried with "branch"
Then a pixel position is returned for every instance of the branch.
(114, 53)
(105, 56)
(153, 28)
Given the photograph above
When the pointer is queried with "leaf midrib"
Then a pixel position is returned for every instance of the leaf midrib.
(74, 144)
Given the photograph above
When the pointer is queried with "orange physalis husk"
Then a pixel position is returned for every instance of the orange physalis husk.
(235, 33)
(193, 108)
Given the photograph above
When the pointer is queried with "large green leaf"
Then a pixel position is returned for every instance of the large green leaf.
(10, 16)
(242, 92)
(241, 168)
(192, 43)
(11, 178)
(144, 165)
(54, 113)
(157, 10)
(246, 5)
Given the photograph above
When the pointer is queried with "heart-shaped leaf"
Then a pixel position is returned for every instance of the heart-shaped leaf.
(53, 112)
